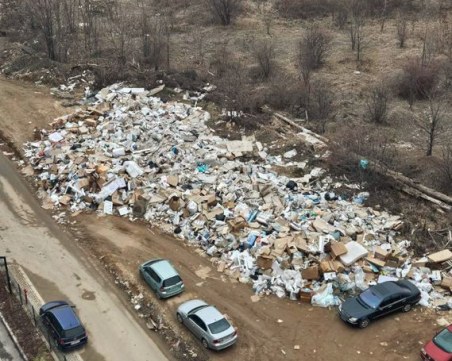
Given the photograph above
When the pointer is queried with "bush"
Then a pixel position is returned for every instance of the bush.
(444, 167)
(303, 9)
(312, 51)
(377, 104)
(418, 80)
(264, 54)
(223, 11)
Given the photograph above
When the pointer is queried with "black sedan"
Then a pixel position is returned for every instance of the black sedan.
(378, 301)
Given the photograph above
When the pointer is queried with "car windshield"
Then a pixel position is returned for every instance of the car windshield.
(219, 326)
(369, 298)
(171, 281)
(74, 332)
(444, 340)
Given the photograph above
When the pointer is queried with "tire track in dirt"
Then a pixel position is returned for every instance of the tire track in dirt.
(320, 334)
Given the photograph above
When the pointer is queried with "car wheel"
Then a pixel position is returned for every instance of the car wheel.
(406, 308)
(363, 323)
(158, 295)
(204, 343)
(179, 318)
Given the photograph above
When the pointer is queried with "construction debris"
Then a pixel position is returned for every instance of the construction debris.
(131, 154)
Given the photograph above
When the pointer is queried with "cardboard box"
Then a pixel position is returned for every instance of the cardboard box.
(173, 180)
(446, 283)
(306, 296)
(439, 257)
(380, 253)
(311, 273)
(175, 203)
(375, 261)
(338, 249)
(331, 266)
(264, 262)
(237, 224)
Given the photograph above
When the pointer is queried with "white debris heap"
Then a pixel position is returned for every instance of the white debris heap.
(134, 155)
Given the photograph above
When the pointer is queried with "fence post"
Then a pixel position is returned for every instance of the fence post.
(7, 275)
(34, 315)
(20, 294)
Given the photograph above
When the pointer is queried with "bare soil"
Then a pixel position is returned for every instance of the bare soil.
(268, 329)
(21, 325)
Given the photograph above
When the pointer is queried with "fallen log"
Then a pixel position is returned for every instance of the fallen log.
(407, 185)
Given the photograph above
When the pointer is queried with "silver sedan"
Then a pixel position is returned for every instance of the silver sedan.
(207, 324)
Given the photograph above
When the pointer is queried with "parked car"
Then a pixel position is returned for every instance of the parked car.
(440, 347)
(378, 301)
(161, 276)
(207, 324)
(63, 324)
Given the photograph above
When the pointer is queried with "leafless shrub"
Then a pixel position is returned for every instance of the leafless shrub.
(224, 11)
(340, 15)
(402, 29)
(312, 51)
(320, 106)
(417, 80)
(432, 122)
(444, 167)
(264, 54)
(303, 9)
(287, 94)
(358, 12)
(377, 104)
(222, 61)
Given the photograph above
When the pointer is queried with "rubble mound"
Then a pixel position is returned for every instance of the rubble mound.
(132, 154)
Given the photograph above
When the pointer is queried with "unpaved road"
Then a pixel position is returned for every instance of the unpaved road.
(60, 271)
(321, 335)
(36, 243)
(29, 236)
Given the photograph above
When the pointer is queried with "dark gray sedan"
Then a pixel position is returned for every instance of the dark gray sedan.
(207, 324)
(378, 301)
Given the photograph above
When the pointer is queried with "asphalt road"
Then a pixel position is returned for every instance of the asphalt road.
(8, 351)
(59, 270)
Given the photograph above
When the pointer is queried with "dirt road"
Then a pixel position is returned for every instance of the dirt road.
(53, 261)
(29, 236)
(321, 335)
(60, 271)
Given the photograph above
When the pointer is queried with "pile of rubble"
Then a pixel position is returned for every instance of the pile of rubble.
(133, 155)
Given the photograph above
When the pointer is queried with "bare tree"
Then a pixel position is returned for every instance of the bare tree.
(312, 51)
(357, 12)
(402, 29)
(432, 122)
(320, 106)
(445, 168)
(224, 10)
(43, 12)
(377, 104)
(264, 53)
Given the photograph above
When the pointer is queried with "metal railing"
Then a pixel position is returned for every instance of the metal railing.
(31, 304)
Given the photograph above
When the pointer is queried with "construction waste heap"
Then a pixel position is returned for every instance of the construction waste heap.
(131, 154)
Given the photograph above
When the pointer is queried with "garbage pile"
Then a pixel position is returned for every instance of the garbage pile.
(133, 155)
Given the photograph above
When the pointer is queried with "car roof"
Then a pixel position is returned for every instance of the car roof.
(66, 317)
(209, 314)
(388, 288)
(164, 269)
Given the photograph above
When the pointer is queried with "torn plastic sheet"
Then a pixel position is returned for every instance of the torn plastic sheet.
(324, 297)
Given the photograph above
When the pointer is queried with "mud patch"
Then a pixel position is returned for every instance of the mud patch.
(88, 295)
